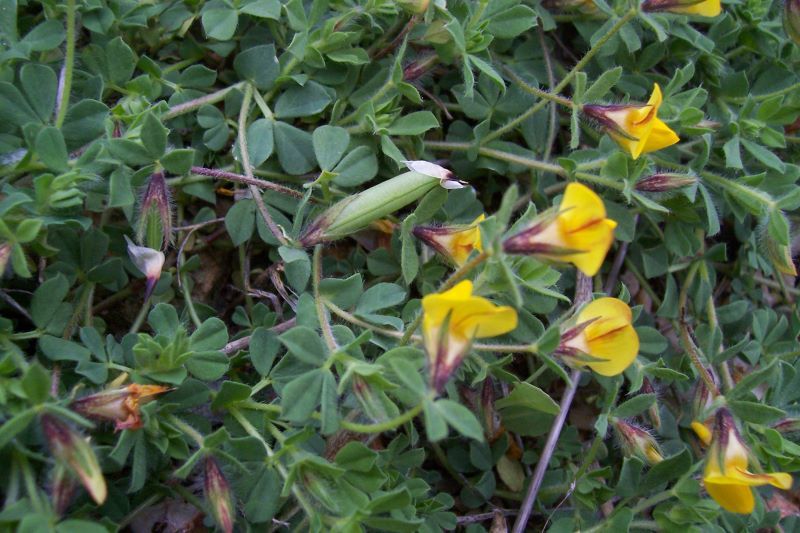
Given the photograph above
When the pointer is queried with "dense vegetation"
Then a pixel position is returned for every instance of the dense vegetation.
(349, 265)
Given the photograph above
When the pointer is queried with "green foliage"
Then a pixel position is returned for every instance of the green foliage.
(297, 362)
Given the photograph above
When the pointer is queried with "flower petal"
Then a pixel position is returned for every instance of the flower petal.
(610, 335)
(579, 207)
(660, 137)
(705, 8)
(596, 240)
(702, 432)
(733, 498)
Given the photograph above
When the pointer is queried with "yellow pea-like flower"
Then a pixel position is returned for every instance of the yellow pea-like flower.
(703, 8)
(579, 233)
(726, 477)
(605, 333)
(452, 320)
(636, 128)
(454, 242)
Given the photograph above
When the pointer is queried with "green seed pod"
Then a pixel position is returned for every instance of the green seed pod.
(357, 212)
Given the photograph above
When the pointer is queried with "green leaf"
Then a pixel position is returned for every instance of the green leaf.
(178, 161)
(230, 393)
(414, 124)
(530, 397)
(41, 86)
(409, 260)
(46, 300)
(670, 468)
(258, 65)
(778, 227)
(460, 418)
(121, 61)
(264, 347)
(298, 101)
(14, 109)
(301, 396)
(357, 167)
(270, 9)
(211, 335)
(765, 156)
(757, 413)
(154, 136)
(295, 149)
(240, 221)
(62, 350)
(36, 383)
(264, 499)
(11, 427)
(306, 345)
(330, 144)
(220, 23)
(27, 230)
(380, 296)
(511, 22)
(599, 89)
(85, 122)
(51, 149)
(635, 405)
(207, 366)
(260, 142)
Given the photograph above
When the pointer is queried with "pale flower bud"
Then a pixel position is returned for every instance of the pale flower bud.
(149, 262)
(73, 452)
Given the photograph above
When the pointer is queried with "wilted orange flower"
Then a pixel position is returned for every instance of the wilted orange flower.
(119, 405)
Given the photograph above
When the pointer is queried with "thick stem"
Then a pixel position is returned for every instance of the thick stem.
(547, 453)
(232, 176)
(583, 292)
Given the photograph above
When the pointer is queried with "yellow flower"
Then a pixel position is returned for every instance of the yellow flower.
(119, 405)
(702, 432)
(636, 128)
(726, 477)
(579, 233)
(704, 8)
(451, 320)
(454, 242)
(605, 334)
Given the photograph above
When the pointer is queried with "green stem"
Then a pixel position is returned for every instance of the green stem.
(191, 105)
(381, 427)
(319, 302)
(187, 430)
(253, 432)
(528, 162)
(761, 97)
(69, 61)
(248, 169)
(139, 320)
(525, 86)
(630, 14)
(686, 339)
(187, 298)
